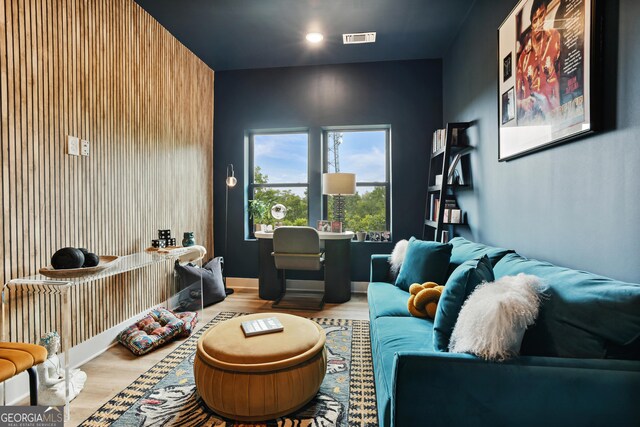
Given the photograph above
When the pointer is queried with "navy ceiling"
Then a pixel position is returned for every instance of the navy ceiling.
(242, 34)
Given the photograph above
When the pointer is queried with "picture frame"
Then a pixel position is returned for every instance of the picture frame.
(554, 73)
(323, 225)
(336, 226)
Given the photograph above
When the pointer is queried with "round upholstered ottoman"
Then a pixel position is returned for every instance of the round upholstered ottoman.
(260, 377)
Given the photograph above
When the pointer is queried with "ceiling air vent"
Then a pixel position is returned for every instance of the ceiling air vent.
(357, 38)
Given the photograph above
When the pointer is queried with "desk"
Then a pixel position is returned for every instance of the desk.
(337, 267)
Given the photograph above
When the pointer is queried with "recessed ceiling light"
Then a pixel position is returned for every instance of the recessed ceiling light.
(315, 37)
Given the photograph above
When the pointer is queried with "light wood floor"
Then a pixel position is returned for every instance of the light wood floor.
(115, 369)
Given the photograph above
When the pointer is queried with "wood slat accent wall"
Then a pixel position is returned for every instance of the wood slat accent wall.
(105, 71)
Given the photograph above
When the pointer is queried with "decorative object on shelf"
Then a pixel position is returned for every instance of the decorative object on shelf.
(51, 391)
(360, 236)
(555, 48)
(67, 258)
(278, 211)
(338, 184)
(188, 239)
(336, 226)
(230, 182)
(158, 243)
(323, 226)
(105, 262)
(164, 234)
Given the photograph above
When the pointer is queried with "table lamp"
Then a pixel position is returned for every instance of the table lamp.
(338, 184)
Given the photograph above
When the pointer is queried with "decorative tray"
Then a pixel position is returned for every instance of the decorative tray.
(106, 261)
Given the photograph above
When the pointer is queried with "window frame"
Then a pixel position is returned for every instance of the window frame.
(251, 185)
(387, 154)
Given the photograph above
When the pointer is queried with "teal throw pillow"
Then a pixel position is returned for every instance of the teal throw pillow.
(461, 283)
(424, 261)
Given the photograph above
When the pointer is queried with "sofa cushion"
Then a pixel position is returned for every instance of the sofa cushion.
(581, 313)
(384, 299)
(424, 261)
(461, 283)
(464, 250)
(394, 334)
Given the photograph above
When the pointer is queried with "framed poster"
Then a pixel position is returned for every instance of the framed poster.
(546, 94)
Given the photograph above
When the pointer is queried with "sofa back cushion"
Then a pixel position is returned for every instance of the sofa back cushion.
(424, 261)
(460, 285)
(581, 314)
(464, 250)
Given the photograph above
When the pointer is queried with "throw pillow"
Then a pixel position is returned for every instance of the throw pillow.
(424, 262)
(190, 276)
(494, 318)
(397, 256)
(459, 286)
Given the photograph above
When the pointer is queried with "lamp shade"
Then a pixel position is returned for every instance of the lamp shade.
(338, 183)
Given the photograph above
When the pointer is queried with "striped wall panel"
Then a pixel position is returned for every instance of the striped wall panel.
(105, 71)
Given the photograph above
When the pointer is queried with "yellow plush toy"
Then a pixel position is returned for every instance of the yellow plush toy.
(424, 299)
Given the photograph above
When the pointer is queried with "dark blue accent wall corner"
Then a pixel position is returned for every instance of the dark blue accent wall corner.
(407, 95)
(575, 204)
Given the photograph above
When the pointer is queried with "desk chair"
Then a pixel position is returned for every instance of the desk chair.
(297, 248)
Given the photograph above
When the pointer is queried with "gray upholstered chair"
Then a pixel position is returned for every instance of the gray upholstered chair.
(297, 248)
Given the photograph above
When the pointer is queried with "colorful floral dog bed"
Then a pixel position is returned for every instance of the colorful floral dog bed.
(156, 329)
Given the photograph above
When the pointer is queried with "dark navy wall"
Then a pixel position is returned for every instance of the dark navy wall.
(577, 204)
(407, 95)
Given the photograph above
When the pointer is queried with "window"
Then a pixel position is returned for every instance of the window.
(364, 152)
(278, 165)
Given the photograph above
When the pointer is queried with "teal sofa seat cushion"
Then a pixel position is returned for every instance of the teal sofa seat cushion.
(386, 300)
(461, 283)
(581, 313)
(465, 250)
(424, 261)
(393, 335)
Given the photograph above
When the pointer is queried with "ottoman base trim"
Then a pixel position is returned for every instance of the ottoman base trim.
(266, 416)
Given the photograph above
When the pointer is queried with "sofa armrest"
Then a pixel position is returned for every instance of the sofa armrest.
(460, 389)
(379, 268)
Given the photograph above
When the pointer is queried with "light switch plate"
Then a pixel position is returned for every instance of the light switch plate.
(73, 145)
(84, 147)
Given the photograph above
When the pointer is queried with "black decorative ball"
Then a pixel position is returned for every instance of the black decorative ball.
(66, 258)
(91, 260)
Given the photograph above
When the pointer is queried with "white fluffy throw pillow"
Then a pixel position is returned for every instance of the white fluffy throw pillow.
(397, 256)
(493, 320)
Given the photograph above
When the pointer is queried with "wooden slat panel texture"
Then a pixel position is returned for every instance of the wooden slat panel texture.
(105, 71)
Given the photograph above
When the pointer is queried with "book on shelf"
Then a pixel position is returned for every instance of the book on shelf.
(445, 236)
(439, 140)
(261, 326)
(456, 216)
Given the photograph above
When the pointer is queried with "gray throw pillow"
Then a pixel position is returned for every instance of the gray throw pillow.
(212, 284)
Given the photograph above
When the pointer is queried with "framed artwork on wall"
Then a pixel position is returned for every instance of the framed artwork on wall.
(547, 93)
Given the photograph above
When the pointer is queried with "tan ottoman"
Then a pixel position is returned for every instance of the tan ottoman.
(260, 377)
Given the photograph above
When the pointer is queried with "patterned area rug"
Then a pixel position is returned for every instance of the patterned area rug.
(166, 395)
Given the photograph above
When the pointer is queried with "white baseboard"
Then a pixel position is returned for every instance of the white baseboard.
(293, 284)
(17, 388)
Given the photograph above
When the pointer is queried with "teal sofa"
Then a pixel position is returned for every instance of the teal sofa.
(579, 363)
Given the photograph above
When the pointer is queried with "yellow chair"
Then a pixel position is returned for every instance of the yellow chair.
(17, 357)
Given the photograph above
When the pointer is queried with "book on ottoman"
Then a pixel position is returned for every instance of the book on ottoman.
(261, 326)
